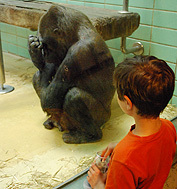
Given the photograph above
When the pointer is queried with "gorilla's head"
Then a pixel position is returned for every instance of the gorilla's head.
(58, 31)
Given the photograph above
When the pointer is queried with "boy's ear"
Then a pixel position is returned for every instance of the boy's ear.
(129, 103)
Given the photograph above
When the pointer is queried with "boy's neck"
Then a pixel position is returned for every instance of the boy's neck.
(145, 127)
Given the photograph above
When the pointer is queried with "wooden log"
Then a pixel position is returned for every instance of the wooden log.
(109, 23)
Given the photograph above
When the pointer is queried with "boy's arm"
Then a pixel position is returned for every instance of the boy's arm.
(95, 178)
(100, 186)
(108, 150)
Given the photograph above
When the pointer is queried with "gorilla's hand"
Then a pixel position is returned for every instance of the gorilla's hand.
(35, 48)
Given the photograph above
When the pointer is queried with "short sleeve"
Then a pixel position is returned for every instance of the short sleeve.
(120, 176)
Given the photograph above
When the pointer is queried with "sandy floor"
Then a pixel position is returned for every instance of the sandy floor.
(32, 156)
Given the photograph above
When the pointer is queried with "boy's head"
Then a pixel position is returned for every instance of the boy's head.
(147, 81)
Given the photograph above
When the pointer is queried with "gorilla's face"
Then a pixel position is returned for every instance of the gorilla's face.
(54, 49)
(49, 49)
(58, 33)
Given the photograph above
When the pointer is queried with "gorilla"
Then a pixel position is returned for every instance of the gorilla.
(74, 80)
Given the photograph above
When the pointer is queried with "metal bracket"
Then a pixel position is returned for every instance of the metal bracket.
(137, 49)
(6, 89)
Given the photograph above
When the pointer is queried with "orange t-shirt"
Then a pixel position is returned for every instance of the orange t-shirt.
(143, 162)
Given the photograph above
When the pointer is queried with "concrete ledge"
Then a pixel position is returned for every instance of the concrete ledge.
(109, 23)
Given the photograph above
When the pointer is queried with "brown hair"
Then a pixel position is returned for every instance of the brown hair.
(147, 81)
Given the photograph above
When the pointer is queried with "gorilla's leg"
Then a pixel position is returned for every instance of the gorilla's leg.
(36, 83)
(40, 81)
(84, 116)
(37, 86)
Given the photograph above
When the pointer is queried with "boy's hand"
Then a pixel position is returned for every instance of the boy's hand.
(95, 178)
(108, 150)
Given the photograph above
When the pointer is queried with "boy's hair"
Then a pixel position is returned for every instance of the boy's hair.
(147, 81)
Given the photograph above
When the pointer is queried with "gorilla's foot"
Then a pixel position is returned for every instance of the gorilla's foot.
(48, 124)
(60, 128)
(74, 137)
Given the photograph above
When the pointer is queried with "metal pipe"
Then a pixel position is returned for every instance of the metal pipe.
(138, 48)
(2, 75)
(125, 5)
(3, 88)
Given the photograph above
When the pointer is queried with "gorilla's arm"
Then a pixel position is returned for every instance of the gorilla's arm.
(35, 51)
(79, 59)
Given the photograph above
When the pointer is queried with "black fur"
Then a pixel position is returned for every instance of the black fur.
(75, 77)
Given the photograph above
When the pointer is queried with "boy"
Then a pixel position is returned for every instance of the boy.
(143, 158)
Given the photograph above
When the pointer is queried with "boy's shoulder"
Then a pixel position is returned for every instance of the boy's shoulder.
(168, 125)
(132, 145)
